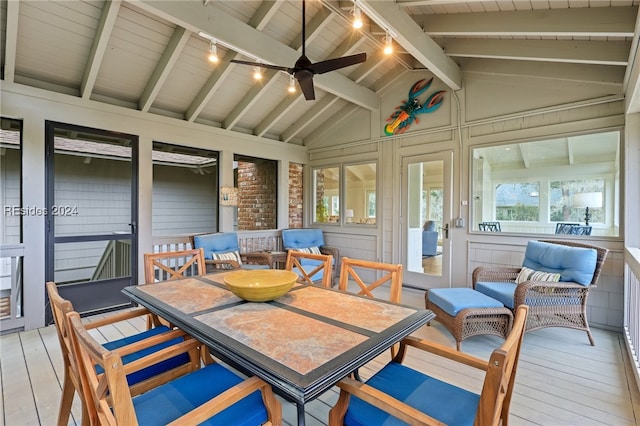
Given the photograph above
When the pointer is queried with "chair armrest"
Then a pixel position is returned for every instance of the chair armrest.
(333, 251)
(492, 273)
(226, 399)
(445, 352)
(216, 265)
(121, 316)
(385, 402)
(550, 293)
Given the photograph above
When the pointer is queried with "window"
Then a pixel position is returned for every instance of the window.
(257, 183)
(517, 202)
(326, 199)
(185, 190)
(360, 187)
(529, 187)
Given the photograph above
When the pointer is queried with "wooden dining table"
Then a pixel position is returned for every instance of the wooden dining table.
(302, 343)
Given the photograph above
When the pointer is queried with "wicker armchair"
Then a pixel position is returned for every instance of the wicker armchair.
(551, 304)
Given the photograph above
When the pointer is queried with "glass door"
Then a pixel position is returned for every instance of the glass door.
(426, 219)
(91, 204)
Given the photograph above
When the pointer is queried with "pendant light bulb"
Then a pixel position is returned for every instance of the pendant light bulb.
(213, 52)
(257, 73)
(388, 45)
(357, 18)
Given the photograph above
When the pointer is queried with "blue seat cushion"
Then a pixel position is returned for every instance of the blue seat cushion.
(449, 404)
(575, 264)
(453, 300)
(302, 238)
(166, 403)
(162, 366)
(222, 242)
(503, 292)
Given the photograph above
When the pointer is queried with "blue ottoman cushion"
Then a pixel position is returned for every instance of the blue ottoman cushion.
(453, 300)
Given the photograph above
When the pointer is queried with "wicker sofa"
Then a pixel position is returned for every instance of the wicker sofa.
(552, 304)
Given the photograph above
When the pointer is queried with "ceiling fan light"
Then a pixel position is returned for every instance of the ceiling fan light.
(213, 52)
(292, 84)
(357, 18)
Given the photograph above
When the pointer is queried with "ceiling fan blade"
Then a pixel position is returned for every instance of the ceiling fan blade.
(306, 86)
(337, 63)
(258, 64)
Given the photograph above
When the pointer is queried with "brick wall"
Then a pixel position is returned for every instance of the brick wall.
(295, 195)
(257, 195)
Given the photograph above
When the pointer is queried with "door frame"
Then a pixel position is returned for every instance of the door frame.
(105, 290)
(416, 279)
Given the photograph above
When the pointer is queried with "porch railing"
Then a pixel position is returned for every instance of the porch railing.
(11, 282)
(248, 241)
(632, 307)
(115, 261)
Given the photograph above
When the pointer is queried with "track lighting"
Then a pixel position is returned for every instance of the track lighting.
(357, 17)
(292, 84)
(213, 52)
(388, 44)
(257, 73)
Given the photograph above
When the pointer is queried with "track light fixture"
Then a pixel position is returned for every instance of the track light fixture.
(357, 17)
(213, 52)
(388, 44)
(257, 73)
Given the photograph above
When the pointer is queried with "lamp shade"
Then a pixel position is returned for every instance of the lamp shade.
(587, 199)
(348, 213)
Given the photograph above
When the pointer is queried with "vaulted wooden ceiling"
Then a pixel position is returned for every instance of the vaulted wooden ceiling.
(149, 55)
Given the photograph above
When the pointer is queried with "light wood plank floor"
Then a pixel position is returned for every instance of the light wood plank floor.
(561, 380)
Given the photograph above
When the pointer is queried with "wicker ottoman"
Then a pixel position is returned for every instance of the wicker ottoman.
(466, 312)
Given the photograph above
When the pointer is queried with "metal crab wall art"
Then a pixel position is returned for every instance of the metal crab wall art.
(406, 114)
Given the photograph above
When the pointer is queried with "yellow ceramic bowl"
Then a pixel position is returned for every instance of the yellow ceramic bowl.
(260, 285)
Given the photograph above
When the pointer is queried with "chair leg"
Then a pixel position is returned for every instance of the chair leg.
(68, 390)
(593, 342)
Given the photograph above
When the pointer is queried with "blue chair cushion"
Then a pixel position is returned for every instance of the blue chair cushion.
(503, 292)
(222, 242)
(139, 376)
(166, 403)
(453, 300)
(302, 238)
(449, 404)
(576, 264)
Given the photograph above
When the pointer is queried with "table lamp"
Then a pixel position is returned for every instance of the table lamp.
(348, 214)
(586, 200)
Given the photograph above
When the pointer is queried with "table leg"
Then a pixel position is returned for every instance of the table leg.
(300, 408)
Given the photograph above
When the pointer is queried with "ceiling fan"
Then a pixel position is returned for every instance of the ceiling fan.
(304, 70)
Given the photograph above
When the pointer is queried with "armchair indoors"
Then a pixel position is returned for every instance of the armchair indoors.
(310, 240)
(398, 394)
(222, 251)
(554, 281)
(429, 239)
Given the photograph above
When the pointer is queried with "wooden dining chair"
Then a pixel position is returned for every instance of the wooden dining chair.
(173, 265)
(212, 392)
(311, 268)
(402, 393)
(356, 269)
(132, 348)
